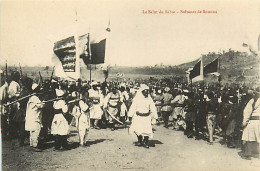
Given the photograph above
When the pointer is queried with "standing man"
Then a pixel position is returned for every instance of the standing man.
(112, 105)
(178, 102)
(211, 115)
(142, 111)
(166, 106)
(13, 94)
(158, 103)
(3, 111)
(20, 119)
(33, 118)
(60, 126)
(190, 109)
(224, 119)
(96, 111)
(125, 105)
(84, 119)
(251, 124)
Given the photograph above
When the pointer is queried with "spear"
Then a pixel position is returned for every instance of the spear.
(6, 69)
(52, 73)
(19, 99)
(21, 72)
(22, 98)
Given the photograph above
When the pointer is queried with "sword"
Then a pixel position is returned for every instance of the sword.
(115, 118)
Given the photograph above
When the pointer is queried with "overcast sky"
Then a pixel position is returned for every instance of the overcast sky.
(29, 29)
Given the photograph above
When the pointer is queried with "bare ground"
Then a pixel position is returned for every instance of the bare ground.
(116, 150)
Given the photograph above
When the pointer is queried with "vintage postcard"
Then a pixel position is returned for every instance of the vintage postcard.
(130, 85)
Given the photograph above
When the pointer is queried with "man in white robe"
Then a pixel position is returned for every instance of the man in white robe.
(251, 124)
(142, 111)
(33, 119)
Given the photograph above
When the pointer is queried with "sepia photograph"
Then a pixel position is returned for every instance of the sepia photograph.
(130, 85)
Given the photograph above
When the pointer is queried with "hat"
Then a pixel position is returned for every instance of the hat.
(167, 89)
(94, 83)
(34, 86)
(73, 94)
(143, 87)
(123, 85)
(59, 92)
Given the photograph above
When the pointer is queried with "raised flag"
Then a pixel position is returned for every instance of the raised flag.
(212, 68)
(196, 74)
(84, 46)
(66, 66)
(94, 51)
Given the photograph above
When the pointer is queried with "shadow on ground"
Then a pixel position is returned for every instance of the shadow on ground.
(92, 142)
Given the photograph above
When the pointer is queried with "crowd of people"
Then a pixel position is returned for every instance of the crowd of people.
(51, 107)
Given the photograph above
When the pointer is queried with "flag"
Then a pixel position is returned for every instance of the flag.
(212, 68)
(188, 74)
(98, 48)
(94, 51)
(66, 65)
(84, 46)
(196, 74)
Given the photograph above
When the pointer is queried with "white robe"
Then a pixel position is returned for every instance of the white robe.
(33, 118)
(13, 89)
(60, 125)
(96, 111)
(84, 118)
(252, 129)
(142, 125)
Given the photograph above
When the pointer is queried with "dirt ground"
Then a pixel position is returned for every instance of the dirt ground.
(116, 150)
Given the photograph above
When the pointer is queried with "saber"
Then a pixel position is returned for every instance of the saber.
(115, 118)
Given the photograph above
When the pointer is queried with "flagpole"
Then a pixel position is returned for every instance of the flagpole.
(76, 36)
(6, 72)
(219, 77)
(90, 59)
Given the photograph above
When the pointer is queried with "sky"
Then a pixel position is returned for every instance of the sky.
(29, 29)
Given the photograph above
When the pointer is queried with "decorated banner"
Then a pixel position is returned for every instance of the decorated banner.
(66, 59)
(65, 50)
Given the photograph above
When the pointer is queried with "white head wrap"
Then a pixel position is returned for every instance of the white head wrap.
(59, 92)
(34, 86)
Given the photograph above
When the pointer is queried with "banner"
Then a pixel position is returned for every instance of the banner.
(67, 65)
(212, 68)
(196, 74)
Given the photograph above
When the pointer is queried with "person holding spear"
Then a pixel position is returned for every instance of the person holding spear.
(60, 126)
(33, 119)
(13, 93)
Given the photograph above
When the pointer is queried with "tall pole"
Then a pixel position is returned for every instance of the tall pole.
(6, 72)
(76, 37)
(90, 70)
(90, 56)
